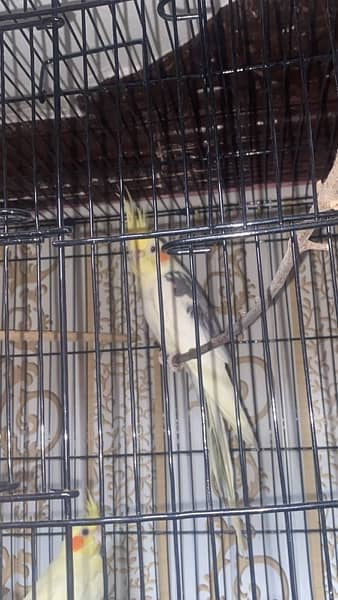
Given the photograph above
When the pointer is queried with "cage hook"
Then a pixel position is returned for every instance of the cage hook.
(42, 92)
(8, 486)
(187, 246)
(51, 23)
(14, 216)
(180, 16)
(206, 148)
(32, 236)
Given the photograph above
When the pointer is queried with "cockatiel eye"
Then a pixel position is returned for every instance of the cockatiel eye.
(153, 248)
(85, 531)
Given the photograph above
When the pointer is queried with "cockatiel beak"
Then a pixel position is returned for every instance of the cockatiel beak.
(137, 252)
(98, 537)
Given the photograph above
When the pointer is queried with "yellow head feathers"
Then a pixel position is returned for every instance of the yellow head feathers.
(136, 217)
(136, 223)
(92, 507)
(142, 250)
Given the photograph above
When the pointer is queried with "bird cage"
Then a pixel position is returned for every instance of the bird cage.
(198, 138)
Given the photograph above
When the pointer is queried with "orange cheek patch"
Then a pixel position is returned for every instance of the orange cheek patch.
(77, 542)
(164, 257)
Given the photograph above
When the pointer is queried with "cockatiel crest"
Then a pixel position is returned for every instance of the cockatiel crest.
(92, 507)
(136, 217)
(136, 223)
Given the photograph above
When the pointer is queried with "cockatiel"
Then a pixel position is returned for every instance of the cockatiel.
(179, 327)
(87, 565)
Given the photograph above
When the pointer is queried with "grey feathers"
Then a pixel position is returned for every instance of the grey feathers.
(182, 286)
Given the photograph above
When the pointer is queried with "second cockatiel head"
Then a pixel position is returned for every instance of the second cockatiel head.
(87, 565)
(85, 539)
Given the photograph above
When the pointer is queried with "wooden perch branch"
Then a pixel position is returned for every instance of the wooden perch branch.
(327, 196)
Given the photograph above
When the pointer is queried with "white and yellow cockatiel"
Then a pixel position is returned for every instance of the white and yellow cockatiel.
(179, 327)
(87, 565)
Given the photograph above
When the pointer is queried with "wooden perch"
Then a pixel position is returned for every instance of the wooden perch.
(327, 198)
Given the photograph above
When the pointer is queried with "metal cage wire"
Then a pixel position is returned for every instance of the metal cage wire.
(218, 119)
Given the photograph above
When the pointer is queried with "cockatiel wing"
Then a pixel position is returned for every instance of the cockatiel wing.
(181, 284)
(88, 583)
(48, 585)
(180, 314)
(178, 310)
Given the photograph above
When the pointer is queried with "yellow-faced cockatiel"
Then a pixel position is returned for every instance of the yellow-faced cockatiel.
(179, 327)
(87, 565)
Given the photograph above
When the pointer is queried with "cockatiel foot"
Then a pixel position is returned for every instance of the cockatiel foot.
(170, 362)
